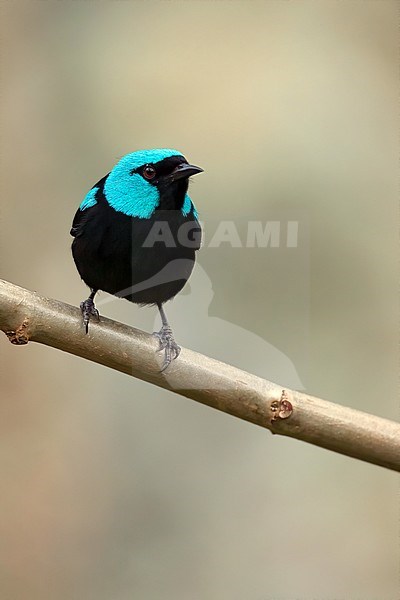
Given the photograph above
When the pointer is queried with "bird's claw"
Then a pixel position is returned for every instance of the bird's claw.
(88, 310)
(168, 344)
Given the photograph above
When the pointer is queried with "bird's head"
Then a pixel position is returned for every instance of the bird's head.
(146, 180)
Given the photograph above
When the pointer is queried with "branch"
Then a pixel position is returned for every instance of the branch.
(27, 316)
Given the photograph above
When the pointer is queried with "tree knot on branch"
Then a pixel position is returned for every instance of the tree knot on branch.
(20, 336)
(282, 408)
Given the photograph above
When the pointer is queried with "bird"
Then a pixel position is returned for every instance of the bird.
(136, 234)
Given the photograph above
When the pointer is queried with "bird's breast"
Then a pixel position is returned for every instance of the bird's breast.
(144, 260)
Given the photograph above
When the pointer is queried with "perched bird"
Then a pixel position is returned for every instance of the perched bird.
(136, 234)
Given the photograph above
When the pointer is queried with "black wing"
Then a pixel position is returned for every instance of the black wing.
(80, 215)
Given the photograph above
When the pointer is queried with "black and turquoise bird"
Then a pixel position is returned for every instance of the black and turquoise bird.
(136, 234)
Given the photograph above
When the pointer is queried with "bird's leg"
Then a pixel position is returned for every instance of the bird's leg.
(167, 341)
(88, 309)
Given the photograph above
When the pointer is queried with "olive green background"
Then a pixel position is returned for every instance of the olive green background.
(111, 488)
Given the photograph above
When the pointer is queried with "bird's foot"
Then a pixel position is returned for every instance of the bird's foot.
(88, 310)
(168, 344)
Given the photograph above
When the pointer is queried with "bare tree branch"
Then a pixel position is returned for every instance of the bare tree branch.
(27, 316)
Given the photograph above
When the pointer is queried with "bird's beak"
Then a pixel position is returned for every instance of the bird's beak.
(184, 170)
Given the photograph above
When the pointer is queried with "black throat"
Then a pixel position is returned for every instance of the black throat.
(172, 195)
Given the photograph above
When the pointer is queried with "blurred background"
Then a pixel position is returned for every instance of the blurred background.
(111, 488)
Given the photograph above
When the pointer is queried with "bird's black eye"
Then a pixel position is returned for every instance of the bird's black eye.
(149, 172)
